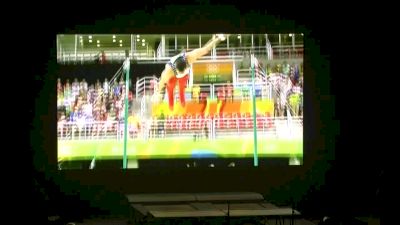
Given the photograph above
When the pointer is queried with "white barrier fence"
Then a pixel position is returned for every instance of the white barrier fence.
(183, 127)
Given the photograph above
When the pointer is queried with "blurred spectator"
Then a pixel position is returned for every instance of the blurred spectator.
(161, 125)
(133, 125)
(196, 92)
(264, 90)
(245, 90)
(60, 94)
(130, 99)
(301, 69)
(106, 86)
(229, 92)
(103, 59)
(83, 87)
(206, 131)
(301, 96)
(97, 84)
(285, 68)
(121, 85)
(59, 88)
(110, 119)
(294, 102)
(87, 110)
(278, 68)
(269, 69)
(203, 96)
(153, 127)
(153, 86)
(220, 94)
(126, 53)
(90, 94)
(75, 88)
(100, 58)
(67, 90)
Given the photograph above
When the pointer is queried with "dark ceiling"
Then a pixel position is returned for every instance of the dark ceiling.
(66, 42)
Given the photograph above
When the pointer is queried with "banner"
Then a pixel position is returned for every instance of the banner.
(209, 72)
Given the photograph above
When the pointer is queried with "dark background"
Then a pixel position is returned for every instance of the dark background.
(342, 173)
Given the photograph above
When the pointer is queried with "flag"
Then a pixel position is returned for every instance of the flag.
(296, 74)
(259, 70)
(269, 50)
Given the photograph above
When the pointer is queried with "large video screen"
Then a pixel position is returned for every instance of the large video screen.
(133, 98)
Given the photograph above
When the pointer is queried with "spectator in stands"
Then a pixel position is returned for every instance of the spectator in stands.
(103, 59)
(121, 83)
(301, 68)
(294, 102)
(67, 90)
(178, 68)
(153, 86)
(245, 91)
(196, 92)
(116, 90)
(264, 91)
(295, 93)
(60, 94)
(110, 119)
(229, 92)
(59, 87)
(301, 95)
(106, 86)
(278, 68)
(133, 124)
(153, 127)
(269, 69)
(100, 58)
(204, 97)
(220, 94)
(285, 68)
(97, 84)
(75, 88)
(130, 99)
(161, 124)
(206, 131)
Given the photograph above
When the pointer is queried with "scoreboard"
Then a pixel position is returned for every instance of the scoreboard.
(209, 72)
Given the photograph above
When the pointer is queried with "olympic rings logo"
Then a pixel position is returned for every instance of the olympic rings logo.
(212, 68)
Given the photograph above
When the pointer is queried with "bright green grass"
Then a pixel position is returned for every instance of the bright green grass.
(177, 148)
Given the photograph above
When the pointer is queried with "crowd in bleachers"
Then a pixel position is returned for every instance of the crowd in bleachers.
(287, 81)
(94, 102)
(85, 103)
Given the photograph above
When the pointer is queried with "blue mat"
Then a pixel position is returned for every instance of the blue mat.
(203, 154)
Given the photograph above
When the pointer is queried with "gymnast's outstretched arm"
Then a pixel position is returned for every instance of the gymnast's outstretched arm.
(192, 56)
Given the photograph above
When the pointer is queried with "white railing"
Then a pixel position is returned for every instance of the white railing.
(221, 53)
(165, 59)
(244, 75)
(179, 127)
(89, 130)
(146, 86)
(111, 56)
(288, 52)
(185, 127)
(159, 51)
